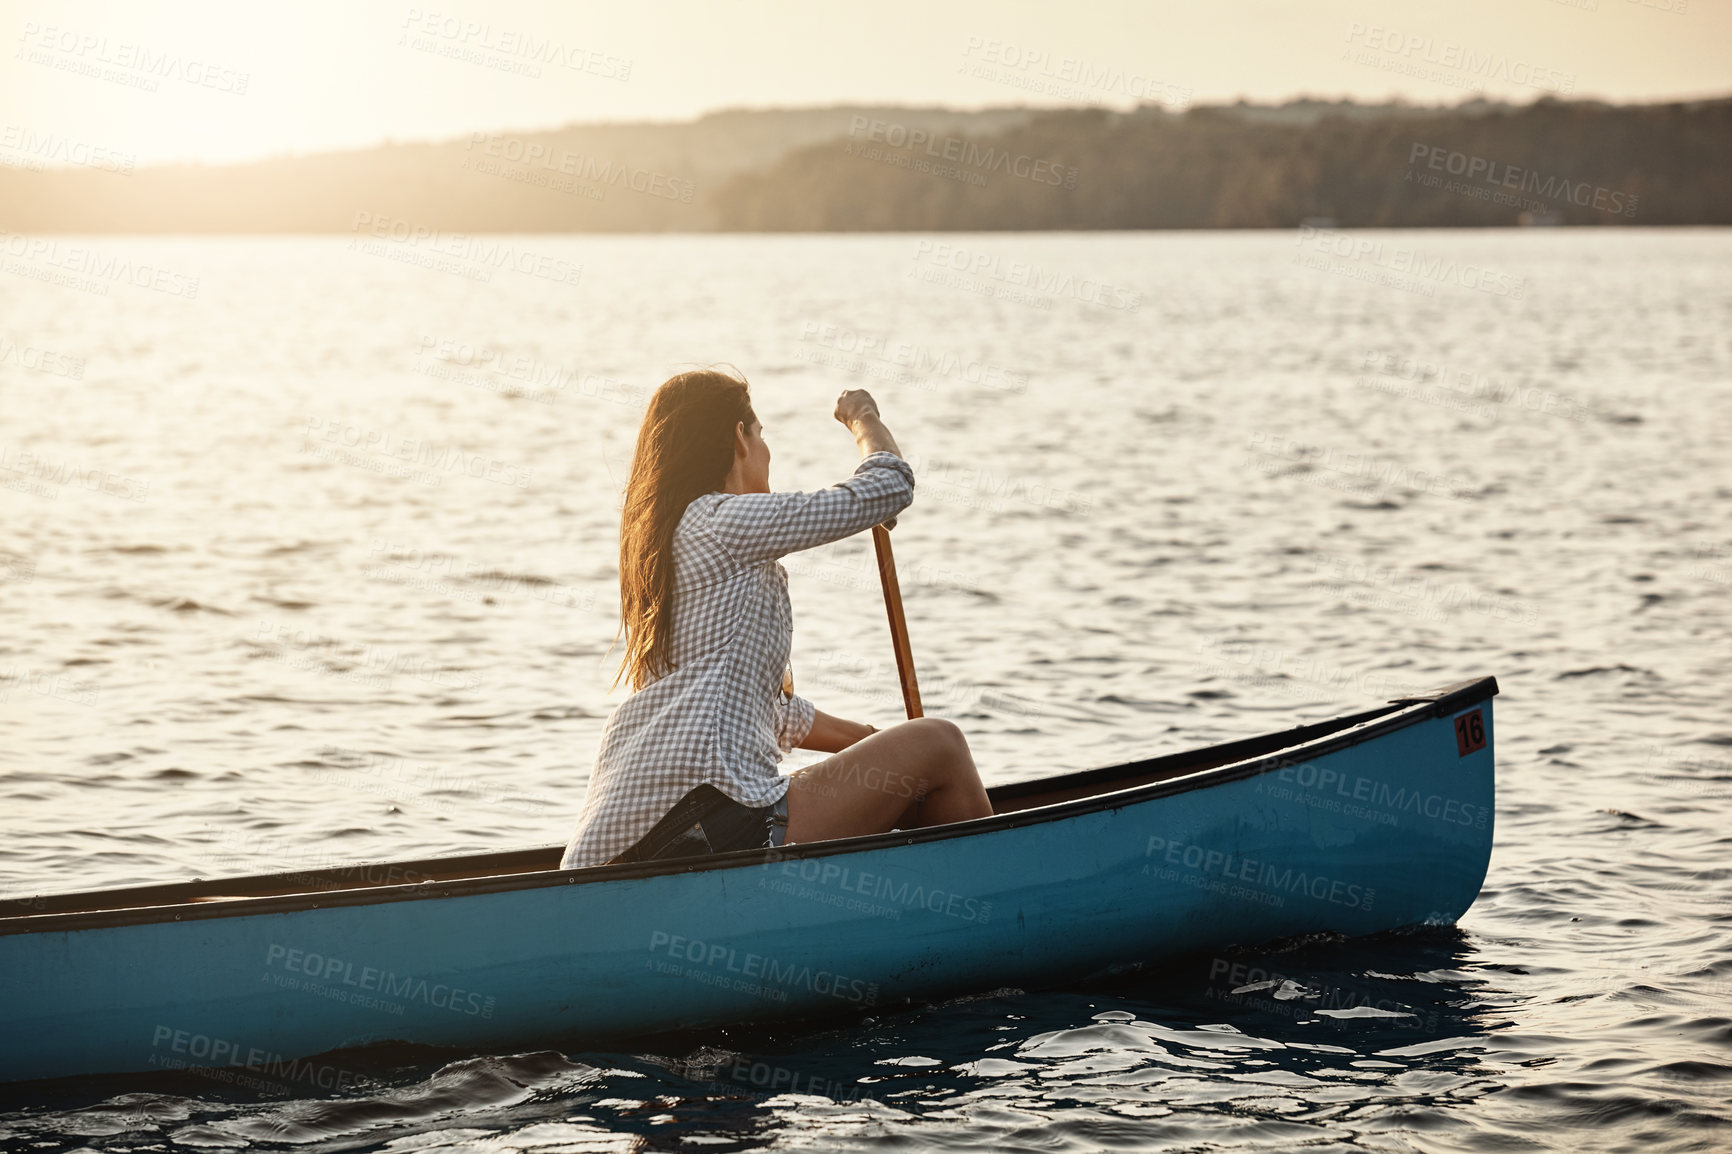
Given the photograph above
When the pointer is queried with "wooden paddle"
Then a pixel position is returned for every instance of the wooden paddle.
(898, 625)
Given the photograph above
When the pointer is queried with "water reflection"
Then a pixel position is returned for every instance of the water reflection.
(1312, 1040)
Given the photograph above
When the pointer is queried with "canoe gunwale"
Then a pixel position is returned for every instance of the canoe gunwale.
(1351, 729)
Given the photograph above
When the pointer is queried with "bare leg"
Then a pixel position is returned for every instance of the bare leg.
(920, 770)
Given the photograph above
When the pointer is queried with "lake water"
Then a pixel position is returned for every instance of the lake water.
(308, 556)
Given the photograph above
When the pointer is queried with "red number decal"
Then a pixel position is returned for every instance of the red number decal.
(1469, 733)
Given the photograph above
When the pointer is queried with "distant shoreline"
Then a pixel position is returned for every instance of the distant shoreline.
(863, 233)
(919, 170)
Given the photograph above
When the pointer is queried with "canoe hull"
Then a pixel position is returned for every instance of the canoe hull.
(1363, 837)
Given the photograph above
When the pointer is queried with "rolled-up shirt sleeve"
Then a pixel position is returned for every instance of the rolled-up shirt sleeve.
(763, 526)
(794, 716)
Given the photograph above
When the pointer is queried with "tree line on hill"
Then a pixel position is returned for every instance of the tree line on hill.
(850, 169)
(1550, 162)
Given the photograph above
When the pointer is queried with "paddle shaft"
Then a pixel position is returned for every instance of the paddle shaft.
(898, 624)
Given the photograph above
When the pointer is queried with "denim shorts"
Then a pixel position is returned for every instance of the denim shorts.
(707, 821)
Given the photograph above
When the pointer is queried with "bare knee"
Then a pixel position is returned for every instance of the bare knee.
(944, 738)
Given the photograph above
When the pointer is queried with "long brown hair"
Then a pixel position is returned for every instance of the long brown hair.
(684, 450)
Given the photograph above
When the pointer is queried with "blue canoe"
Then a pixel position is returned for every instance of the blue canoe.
(1363, 823)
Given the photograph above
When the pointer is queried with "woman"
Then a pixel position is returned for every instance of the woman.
(688, 762)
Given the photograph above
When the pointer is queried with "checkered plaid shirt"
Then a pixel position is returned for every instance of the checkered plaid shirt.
(720, 715)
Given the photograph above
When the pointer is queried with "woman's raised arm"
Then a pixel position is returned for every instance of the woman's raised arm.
(856, 409)
(763, 526)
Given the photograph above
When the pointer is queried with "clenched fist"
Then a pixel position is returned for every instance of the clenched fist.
(854, 405)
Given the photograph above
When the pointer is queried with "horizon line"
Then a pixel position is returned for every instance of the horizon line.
(1144, 107)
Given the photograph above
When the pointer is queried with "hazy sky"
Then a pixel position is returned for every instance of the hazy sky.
(225, 80)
